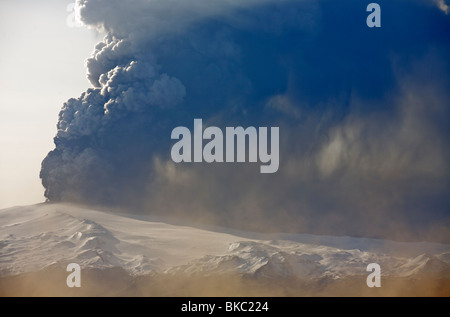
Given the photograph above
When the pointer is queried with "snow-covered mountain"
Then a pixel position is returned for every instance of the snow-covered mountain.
(45, 237)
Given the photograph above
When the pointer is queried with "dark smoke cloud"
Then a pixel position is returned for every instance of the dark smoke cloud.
(363, 114)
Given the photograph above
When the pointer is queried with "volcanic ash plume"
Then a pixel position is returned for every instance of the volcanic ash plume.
(363, 114)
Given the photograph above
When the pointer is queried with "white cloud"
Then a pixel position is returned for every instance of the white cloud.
(443, 6)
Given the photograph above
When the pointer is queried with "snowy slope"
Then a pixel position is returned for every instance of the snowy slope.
(35, 237)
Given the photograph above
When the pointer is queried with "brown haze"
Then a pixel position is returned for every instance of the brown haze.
(116, 282)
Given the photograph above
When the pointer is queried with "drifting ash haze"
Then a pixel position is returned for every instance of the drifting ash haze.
(364, 141)
(364, 148)
(122, 255)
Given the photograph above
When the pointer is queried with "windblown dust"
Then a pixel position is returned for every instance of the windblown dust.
(116, 282)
